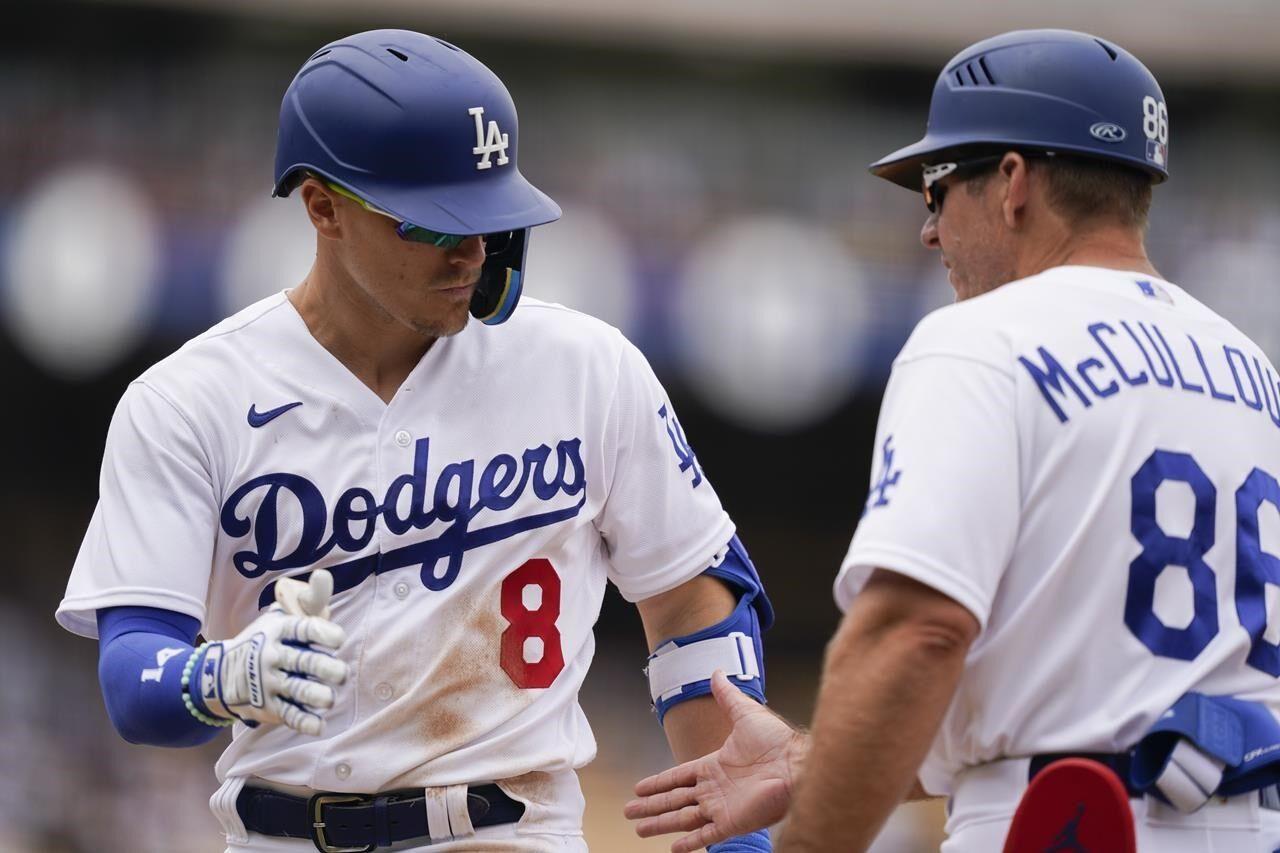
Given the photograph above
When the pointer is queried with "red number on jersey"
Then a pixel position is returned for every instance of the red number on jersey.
(531, 652)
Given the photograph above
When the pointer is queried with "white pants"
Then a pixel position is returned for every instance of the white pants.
(552, 820)
(490, 839)
(985, 798)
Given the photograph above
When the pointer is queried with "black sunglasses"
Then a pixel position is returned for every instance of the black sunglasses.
(934, 194)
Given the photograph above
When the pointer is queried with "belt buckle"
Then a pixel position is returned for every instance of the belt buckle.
(316, 807)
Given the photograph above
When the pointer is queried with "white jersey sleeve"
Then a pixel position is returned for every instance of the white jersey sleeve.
(662, 521)
(943, 504)
(150, 541)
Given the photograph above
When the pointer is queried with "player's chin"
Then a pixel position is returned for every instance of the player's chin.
(448, 320)
(457, 326)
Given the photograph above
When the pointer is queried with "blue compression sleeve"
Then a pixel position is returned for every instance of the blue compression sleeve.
(141, 653)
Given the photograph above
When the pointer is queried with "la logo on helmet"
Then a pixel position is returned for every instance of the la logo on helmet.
(494, 142)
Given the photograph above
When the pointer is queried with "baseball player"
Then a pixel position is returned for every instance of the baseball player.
(392, 526)
(1069, 547)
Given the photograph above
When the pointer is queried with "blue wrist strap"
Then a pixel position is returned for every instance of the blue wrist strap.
(1243, 735)
(755, 842)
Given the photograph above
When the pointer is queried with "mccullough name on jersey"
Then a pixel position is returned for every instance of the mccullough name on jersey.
(1139, 353)
(457, 497)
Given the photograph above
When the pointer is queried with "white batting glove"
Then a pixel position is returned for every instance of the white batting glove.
(277, 670)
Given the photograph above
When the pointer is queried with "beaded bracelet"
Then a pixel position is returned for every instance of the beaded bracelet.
(216, 722)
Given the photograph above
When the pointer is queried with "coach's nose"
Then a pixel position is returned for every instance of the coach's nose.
(929, 233)
(468, 253)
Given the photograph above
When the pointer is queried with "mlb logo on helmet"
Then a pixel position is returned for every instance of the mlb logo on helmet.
(1156, 153)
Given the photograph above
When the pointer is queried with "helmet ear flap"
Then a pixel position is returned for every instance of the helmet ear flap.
(501, 281)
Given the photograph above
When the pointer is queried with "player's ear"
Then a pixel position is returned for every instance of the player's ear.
(1015, 180)
(320, 203)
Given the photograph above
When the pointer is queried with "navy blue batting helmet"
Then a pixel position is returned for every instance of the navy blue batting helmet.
(423, 131)
(1042, 90)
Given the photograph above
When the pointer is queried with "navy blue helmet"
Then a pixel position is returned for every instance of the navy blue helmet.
(423, 131)
(1041, 90)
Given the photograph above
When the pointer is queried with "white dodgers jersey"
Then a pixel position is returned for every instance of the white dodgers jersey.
(1087, 460)
(470, 525)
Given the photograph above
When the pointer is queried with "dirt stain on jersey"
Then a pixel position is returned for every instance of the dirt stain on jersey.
(536, 787)
(466, 681)
(461, 691)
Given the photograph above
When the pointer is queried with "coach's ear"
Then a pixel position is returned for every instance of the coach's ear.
(1016, 182)
(321, 206)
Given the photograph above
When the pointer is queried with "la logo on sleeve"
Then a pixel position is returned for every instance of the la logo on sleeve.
(680, 444)
(889, 477)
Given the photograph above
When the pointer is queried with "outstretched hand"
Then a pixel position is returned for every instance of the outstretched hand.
(743, 786)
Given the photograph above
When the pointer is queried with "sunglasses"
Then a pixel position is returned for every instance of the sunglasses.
(934, 193)
(493, 243)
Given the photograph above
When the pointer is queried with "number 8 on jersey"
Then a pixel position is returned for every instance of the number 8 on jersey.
(531, 652)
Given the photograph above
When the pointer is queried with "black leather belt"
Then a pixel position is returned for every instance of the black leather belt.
(1119, 762)
(359, 823)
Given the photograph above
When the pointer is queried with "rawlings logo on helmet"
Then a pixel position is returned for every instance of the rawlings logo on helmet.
(494, 143)
(1108, 132)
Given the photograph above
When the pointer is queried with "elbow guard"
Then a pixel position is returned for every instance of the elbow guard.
(681, 668)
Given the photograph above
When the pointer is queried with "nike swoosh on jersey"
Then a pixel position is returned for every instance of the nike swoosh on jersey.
(257, 419)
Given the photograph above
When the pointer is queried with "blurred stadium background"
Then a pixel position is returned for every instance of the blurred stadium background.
(710, 158)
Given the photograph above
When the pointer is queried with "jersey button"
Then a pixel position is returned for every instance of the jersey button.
(343, 770)
(383, 691)
(401, 590)
(403, 438)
